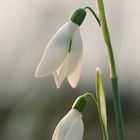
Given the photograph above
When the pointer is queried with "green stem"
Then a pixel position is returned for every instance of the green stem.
(90, 95)
(104, 128)
(118, 111)
(113, 74)
(96, 17)
(105, 133)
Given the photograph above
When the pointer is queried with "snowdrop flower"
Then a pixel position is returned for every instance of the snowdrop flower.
(71, 126)
(63, 55)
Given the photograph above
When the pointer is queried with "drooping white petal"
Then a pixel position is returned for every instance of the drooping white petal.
(75, 62)
(56, 51)
(61, 72)
(76, 130)
(74, 77)
(64, 129)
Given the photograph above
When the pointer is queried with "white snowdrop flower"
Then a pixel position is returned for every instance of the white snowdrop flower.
(70, 127)
(63, 55)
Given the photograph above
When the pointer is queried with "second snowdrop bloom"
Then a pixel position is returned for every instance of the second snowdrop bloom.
(70, 127)
(63, 55)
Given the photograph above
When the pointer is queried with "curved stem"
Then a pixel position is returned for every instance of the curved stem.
(113, 74)
(96, 17)
(90, 95)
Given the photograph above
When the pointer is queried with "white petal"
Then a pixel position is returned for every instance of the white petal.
(76, 130)
(74, 77)
(56, 51)
(61, 72)
(65, 124)
(62, 126)
(75, 62)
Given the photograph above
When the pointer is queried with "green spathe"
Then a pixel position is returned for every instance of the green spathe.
(78, 16)
(101, 104)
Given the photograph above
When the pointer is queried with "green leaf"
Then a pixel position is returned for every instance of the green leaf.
(101, 103)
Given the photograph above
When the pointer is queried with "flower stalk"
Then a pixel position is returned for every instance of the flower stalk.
(113, 74)
(96, 17)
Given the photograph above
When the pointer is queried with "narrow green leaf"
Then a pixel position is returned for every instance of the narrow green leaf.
(101, 103)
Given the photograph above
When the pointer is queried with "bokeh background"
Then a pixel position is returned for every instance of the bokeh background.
(31, 108)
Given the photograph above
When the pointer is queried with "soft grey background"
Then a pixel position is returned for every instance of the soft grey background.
(30, 108)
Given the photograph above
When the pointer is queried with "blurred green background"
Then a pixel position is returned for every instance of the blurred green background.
(31, 108)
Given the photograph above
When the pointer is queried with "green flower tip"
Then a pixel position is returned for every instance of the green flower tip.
(78, 16)
(79, 103)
